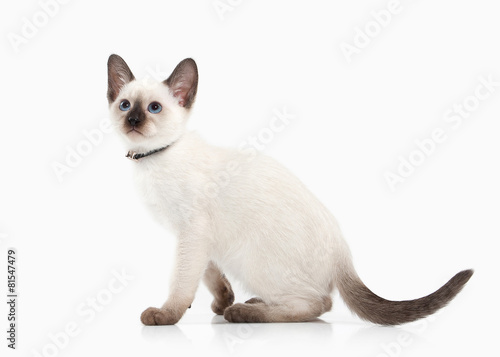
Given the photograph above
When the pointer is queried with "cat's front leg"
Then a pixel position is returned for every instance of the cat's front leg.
(191, 262)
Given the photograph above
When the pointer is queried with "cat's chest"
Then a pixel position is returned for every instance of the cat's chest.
(164, 194)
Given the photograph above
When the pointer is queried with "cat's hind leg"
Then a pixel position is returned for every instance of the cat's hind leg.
(286, 309)
(254, 300)
(220, 288)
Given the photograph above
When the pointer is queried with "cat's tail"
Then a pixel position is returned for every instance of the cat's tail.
(372, 307)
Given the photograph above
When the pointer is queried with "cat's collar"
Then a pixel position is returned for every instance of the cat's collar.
(135, 156)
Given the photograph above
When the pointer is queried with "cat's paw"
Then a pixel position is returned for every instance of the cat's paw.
(153, 316)
(223, 301)
(245, 313)
(254, 300)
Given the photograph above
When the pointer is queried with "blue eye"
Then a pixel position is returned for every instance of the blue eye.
(154, 107)
(125, 105)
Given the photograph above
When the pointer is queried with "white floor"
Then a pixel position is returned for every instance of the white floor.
(116, 331)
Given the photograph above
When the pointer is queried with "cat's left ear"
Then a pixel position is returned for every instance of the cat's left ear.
(183, 82)
(118, 75)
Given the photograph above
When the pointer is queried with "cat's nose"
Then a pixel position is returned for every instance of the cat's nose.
(133, 121)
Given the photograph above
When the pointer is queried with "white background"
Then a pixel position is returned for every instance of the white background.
(351, 123)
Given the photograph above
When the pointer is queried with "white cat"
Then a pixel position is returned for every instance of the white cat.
(241, 213)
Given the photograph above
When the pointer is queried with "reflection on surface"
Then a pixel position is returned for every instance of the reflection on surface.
(298, 337)
(242, 338)
(200, 333)
(165, 334)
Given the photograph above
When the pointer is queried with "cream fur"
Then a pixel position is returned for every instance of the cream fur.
(241, 213)
(239, 209)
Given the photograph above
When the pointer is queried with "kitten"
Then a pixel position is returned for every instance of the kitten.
(240, 213)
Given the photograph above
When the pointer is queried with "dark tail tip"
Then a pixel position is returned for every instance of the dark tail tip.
(460, 279)
(466, 275)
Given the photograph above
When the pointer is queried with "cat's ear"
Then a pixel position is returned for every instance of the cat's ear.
(118, 75)
(183, 82)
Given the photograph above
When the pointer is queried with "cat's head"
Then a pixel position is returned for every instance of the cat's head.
(150, 114)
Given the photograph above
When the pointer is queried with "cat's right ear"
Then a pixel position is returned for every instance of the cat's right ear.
(118, 75)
